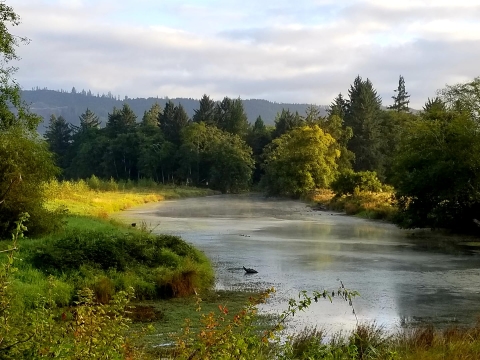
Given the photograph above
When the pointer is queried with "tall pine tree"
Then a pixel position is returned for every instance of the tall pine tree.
(206, 111)
(362, 115)
(401, 99)
(59, 138)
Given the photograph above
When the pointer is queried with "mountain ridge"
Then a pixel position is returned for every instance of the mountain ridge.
(71, 105)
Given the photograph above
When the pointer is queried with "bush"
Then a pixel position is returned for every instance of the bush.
(109, 262)
(349, 181)
(109, 251)
(25, 163)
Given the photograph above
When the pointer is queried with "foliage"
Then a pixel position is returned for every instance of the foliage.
(401, 99)
(437, 180)
(362, 116)
(463, 97)
(232, 164)
(286, 121)
(25, 163)
(205, 112)
(59, 138)
(165, 262)
(221, 160)
(350, 181)
(224, 336)
(300, 161)
(230, 117)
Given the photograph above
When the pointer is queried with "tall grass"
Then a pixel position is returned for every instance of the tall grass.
(367, 204)
(100, 198)
(370, 341)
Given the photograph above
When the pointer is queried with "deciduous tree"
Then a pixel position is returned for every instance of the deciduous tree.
(300, 161)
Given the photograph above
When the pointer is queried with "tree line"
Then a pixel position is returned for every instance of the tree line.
(430, 158)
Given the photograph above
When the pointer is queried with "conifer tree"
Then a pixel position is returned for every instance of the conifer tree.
(206, 111)
(59, 138)
(150, 117)
(401, 99)
(88, 120)
(362, 116)
(338, 107)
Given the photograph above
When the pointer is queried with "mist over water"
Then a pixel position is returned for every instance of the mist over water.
(404, 277)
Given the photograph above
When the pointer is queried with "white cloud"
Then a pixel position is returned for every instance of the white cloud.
(306, 51)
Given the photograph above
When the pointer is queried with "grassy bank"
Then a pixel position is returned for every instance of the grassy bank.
(99, 198)
(44, 283)
(366, 204)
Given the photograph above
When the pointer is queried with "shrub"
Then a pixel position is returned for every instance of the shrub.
(349, 181)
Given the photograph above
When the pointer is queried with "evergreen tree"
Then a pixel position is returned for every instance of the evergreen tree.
(88, 120)
(172, 121)
(434, 109)
(312, 115)
(150, 117)
(121, 121)
(362, 116)
(59, 138)
(338, 107)
(230, 116)
(206, 111)
(258, 137)
(401, 100)
(286, 121)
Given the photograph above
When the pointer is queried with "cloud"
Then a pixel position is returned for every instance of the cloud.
(307, 51)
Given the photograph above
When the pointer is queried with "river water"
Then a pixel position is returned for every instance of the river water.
(403, 277)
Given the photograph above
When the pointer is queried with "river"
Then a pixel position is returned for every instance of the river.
(403, 277)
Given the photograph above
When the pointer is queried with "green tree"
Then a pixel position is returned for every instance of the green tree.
(333, 125)
(13, 111)
(206, 112)
(464, 97)
(150, 117)
(401, 99)
(437, 173)
(286, 121)
(59, 139)
(121, 156)
(258, 137)
(25, 163)
(172, 121)
(232, 164)
(89, 152)
(121, 121)
(394, 126)
(434, 109)
(88, 120)
(338, 107)
(230, 116)
(362, 116)
(300, 161)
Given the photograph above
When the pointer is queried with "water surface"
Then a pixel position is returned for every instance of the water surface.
(403, 277)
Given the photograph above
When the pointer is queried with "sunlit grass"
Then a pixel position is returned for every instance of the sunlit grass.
(367, 204)
(102, 198)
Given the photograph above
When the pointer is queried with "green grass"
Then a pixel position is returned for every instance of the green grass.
(101, 198)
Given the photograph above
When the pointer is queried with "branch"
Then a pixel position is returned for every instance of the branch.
(12, 183)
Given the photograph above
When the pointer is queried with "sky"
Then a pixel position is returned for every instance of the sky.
(303, 51)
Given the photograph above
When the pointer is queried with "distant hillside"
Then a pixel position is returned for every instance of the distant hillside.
(72, 105)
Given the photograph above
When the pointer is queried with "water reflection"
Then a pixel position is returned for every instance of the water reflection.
(403, 276)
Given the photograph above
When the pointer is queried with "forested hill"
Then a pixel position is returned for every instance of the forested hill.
(71, 105)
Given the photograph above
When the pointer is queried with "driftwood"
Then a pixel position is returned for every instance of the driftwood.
(12, 183)
(250, 271)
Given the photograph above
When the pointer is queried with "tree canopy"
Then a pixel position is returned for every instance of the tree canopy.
(300, 161)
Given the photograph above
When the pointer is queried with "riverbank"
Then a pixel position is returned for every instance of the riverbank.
(364, 204)
(99, 198)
